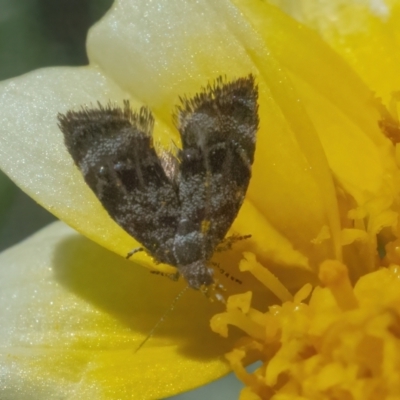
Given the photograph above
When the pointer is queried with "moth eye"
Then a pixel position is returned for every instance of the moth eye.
(102, 170)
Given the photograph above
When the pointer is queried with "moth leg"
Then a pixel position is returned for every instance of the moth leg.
(133, 251)
(229, 241)
(173, 277)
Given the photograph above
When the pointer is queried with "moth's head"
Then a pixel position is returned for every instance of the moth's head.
(197, 274)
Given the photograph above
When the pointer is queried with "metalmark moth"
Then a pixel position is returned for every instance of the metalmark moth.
(179, 205)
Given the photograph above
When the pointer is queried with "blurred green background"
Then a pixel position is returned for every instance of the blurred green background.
(36, 34)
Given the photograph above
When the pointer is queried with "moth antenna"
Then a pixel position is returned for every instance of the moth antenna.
(161, 320)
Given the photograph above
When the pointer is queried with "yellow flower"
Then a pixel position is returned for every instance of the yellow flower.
(325, 184)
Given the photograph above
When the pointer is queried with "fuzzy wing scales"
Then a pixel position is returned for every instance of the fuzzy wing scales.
(218, 132)
(113, 148)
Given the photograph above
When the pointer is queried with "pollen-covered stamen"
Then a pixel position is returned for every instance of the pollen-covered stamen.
(344, 340)
(240, 314)
(334, 275)
(249, 263)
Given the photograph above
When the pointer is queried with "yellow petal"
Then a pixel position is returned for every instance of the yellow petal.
(366, 34)
(73, 315)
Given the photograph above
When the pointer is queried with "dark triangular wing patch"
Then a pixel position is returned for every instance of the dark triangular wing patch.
(113, 147)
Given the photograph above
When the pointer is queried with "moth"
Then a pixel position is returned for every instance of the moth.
(178, 204)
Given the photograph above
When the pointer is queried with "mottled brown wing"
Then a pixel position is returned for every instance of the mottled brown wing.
(113, 148)
(218, 131)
